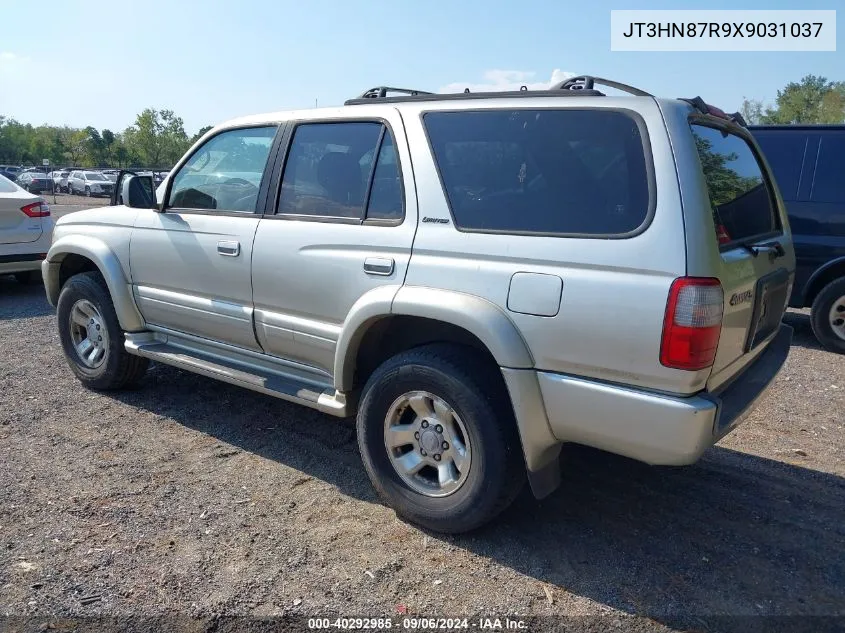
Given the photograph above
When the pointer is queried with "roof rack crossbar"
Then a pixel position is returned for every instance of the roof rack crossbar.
(586, 82)
(380, 92)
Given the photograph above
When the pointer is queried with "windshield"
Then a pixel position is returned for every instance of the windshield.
(92, 176)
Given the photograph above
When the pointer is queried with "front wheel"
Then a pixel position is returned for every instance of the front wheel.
(438, 438)
(827, 316)
(91, 336)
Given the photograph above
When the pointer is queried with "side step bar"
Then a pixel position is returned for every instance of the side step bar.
(257, 379)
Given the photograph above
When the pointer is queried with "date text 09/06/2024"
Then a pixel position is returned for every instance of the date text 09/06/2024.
(418, 623)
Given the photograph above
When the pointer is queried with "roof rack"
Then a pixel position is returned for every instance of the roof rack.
(587, 82)
(380, 92)
(581, 86)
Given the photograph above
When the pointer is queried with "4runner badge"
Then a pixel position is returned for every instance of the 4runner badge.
(435, 220)
(740, 297)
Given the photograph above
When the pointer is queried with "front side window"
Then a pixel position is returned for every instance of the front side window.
(330, 172)
(225, 173)
(542, 171)
(739, 196)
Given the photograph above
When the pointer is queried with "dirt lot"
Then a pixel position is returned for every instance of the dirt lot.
(192, 498)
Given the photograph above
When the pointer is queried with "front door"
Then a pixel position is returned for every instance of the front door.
(191, 264)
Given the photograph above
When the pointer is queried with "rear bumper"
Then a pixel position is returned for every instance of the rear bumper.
(651, 427)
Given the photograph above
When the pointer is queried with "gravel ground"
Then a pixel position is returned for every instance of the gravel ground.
(84, 201)
(195, 499)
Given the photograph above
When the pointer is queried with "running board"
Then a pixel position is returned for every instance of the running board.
(272, 383)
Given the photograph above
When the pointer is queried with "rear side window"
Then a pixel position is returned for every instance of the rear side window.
(542, 171)
(739, 198)
(829, 180)
(785, 153)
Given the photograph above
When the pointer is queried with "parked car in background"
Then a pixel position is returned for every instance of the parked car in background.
(809, 166)
(60, 179)
(10, 171)
(479, 278)
(34, 181)
(89, 183)
(26, 230)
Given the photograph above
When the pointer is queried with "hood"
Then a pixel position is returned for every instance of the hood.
(99, 217)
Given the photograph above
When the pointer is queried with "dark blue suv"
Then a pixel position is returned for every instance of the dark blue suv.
(809, 166)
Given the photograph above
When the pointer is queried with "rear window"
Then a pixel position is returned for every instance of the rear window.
(739, 198)
(6, 185)
(785, 152)
(542, 171)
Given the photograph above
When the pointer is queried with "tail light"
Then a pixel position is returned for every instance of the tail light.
(38, 209)
(692, 324)
(722, 234)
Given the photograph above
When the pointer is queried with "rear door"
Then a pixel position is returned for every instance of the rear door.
(756, 263)
(341, 225)
(16, 227)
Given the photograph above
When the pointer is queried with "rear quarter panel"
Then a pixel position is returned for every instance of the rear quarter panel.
(614, 291)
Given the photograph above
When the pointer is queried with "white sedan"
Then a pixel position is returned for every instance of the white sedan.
(26, 230)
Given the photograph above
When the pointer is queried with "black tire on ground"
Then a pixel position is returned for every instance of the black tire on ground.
(820, 315)
(88, 191)
(119, 369)
(29, 277)
(477, 393)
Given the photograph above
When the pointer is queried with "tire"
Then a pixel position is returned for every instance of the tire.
(825, 316)
(88, 191)
(117, 368)
(28, 277)
(476, 395)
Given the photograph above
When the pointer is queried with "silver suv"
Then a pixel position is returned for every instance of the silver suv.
(480, 278)
(89, 183)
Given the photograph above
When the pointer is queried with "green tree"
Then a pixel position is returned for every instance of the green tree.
(108, 142)
(812, 100)
(76, 146)
(200, 134)
(752, 111)
(157, 138)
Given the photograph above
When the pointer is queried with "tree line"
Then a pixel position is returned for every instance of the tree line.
(157, 139)
(811, 100)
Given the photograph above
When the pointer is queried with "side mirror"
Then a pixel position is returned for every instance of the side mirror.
(134, 191)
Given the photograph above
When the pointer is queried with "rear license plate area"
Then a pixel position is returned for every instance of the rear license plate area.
(770, 297)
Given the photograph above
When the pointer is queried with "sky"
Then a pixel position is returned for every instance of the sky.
(211, 60)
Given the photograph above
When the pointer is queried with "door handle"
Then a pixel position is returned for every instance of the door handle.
(378, 266)
(229, 249)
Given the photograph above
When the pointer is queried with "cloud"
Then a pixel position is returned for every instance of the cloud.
(502, 80)
(12, 61)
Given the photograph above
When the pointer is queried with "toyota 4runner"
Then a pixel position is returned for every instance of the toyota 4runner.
(479, 278)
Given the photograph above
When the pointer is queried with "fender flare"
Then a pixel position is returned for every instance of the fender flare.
(480, 317)
(821, 270)
(110, 268)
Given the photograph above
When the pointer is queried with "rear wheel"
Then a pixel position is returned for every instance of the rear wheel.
(438, 438)
(827, 316)
(91, 336)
